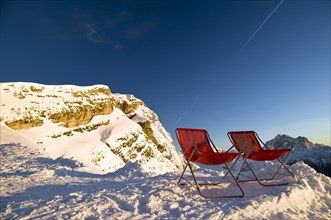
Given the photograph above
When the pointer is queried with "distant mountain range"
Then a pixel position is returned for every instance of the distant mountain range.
(317, 156)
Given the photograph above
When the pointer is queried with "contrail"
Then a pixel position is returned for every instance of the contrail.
(185, 112)
(264, 22)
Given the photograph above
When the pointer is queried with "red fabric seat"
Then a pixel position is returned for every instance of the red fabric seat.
(249, 143)
(189, 138)
(267, 155)
(217, 158)
(197, 147)
(205, 152)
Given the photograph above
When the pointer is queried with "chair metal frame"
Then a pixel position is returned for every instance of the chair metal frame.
(197, 185)
(252, 149)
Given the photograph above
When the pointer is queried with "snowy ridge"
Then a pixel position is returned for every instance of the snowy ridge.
(104, 131)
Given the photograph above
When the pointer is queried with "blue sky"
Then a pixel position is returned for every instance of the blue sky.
(218, 65)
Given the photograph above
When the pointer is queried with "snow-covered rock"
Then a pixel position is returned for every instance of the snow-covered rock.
(315, 155)
(102, 130)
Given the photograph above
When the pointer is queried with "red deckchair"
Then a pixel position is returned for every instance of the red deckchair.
(249, 143)
(198, 148)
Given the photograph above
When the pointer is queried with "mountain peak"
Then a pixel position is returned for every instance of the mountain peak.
(299, 140)
(304, 150)
(102, 130)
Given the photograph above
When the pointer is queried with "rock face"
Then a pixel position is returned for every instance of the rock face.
(317, 156)
(90, 124)
(71, 106)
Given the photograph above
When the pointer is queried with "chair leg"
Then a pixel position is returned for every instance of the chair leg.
(183, 173)
(241, 168)
(195, 181)
(284, 165)
(223, 177)
(181, 176)
(235, 180)
(260, 180)
(234, 163)
(197, 185)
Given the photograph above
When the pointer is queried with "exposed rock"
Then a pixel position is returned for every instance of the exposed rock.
(71, 106)
(24, 123)
(102, 130)
(127, 103)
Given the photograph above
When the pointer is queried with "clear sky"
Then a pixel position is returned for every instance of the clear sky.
(218, 65)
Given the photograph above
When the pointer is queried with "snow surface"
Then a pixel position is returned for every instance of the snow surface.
(35, 186)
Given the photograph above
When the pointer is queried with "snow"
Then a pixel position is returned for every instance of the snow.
(81, 146)
(105, 143)
(33, 185)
